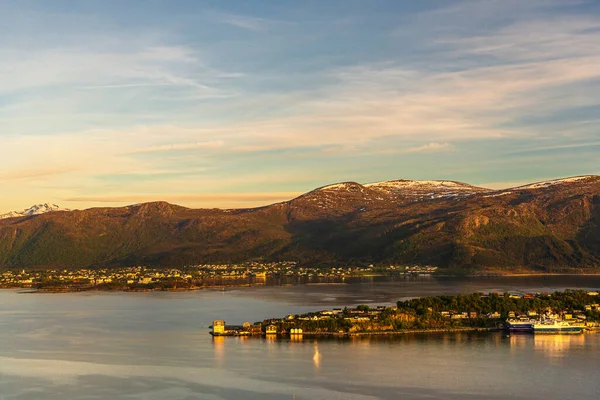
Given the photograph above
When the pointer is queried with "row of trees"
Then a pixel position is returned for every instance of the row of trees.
(569, 300)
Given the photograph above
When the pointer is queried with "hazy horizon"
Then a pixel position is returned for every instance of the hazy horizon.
(226, 201)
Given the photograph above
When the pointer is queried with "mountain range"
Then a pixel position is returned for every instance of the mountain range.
(551, 226)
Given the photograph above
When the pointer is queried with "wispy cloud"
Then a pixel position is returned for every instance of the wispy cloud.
(34, 174)
(476, 100)
(179, 147)
(125, 85)
(429, 147)
(77, 66)
(248, 22)
(534, 149)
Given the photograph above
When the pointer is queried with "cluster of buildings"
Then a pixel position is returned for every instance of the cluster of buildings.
(91, 277)
(292, 269)
(200, 275)
(548, 313)
(219, 328)
(417, 270)
(469, 315)
(572, 316)
(273, 326)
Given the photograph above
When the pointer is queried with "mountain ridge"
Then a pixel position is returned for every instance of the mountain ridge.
(545, 227)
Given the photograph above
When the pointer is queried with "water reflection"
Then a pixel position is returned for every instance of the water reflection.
(316, 356)
(296, 338)
(270, 338)
(556, 346)
(219, 350)
(551, 347)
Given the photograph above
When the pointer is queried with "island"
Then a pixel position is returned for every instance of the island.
(569, 311)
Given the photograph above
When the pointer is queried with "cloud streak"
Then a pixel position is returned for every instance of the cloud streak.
(179, 147)
(429, 147)
(247, 22)
(34, 174)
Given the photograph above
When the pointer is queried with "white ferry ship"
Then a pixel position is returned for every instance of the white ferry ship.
(554, 326)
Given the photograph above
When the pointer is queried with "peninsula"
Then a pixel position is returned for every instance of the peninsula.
(576, 310)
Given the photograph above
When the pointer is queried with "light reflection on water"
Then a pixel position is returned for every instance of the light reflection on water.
(558, 346)
(317, 355)
(156, 345)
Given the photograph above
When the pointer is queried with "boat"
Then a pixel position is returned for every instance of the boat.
(517, 325)
(554, 326)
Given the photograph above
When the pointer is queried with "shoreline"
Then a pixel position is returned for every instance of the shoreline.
(590, 330)
(512, 275)
(221, 286)
(404, 332)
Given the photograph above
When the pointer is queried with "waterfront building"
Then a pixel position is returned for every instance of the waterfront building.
(271, 330)
(218, 327)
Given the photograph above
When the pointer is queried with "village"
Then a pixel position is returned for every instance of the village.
(192, 277)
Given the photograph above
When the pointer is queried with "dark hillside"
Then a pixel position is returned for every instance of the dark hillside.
(541, 227)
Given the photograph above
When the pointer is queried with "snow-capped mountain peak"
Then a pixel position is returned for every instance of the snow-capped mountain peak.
(402, 190)
(426, 189)
(34, 210)
(41, 209)
(404, 183)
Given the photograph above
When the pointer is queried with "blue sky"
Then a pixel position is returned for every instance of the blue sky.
(238, 103)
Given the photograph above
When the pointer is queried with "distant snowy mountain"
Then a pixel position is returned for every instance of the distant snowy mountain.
(421, 190)
(345, 197)
(410, 190)
(342, 197)
(401, 190)
(545, 184)
(34, 210)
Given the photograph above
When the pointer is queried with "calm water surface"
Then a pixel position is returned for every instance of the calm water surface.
(156, 346)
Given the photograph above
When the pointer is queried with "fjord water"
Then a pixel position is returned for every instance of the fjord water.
(156, 346)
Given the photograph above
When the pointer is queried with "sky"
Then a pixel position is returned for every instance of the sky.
(243, 103)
